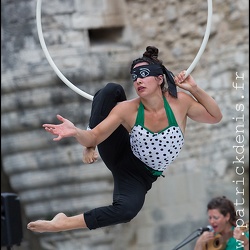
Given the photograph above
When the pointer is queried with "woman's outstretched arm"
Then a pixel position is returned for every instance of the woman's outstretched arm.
(87, 138)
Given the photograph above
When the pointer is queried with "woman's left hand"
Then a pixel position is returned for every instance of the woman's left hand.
(186, 83)
(238, 234)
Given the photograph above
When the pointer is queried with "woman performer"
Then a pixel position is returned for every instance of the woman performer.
(137, 139)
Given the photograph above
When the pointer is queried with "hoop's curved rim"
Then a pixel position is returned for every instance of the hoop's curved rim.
(90, 97)
(51, 62)
(205, 39)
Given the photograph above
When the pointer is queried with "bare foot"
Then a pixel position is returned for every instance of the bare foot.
(54, 225)
(89, 155)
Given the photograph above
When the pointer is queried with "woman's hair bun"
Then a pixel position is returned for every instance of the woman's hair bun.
(151, 52)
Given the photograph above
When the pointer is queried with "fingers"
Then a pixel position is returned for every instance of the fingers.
(51, 130)
(57, 138)
(180, 77)
(237, 234)
(54, 129)
(60, 118)
(49, 127)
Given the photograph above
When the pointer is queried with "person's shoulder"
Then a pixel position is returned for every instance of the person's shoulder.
(185, 97)
(126, 111)
(127, 105)
(181, 97)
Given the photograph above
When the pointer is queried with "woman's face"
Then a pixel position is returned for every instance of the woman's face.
(218, 221)
(147, 85)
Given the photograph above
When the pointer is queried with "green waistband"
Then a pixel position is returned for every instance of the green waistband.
(154, 172)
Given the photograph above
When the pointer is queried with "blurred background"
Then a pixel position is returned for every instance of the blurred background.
(93, 42)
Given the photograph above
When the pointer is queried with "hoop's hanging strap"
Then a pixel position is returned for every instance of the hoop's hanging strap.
(205, 39)
(52, 64)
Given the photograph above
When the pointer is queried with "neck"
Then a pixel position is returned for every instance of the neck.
(154, 103)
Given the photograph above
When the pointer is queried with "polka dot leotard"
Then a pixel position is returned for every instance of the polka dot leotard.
(156, 150)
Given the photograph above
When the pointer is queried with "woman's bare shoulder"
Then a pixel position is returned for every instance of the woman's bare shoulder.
(184, 94)
(129, 104)
(182, 97)
(127, 111)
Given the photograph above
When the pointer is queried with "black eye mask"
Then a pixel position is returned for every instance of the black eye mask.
(145, 71)
(155, 70)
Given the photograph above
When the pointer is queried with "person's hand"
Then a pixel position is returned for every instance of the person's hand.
(65, 129)
(186, 83)
(238, 234)
(89, 155)
(203, 239)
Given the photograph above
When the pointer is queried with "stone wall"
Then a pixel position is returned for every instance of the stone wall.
(91, 43)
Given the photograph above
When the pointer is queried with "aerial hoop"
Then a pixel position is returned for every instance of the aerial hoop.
(51, 62)
(90, 97)
(205, 39)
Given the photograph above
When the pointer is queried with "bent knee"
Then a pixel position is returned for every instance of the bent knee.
(126, 215)
(113, 88)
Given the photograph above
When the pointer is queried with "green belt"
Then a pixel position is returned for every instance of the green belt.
(154, 172)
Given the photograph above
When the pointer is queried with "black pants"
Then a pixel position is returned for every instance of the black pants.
(132, 179)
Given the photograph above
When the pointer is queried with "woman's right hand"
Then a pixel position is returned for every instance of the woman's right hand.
(203, 239)
(65, 129)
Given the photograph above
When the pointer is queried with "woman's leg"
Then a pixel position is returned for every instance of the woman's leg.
(131, 183)
(128, 199)
(104, 100)
(129, 196)
(130, 187)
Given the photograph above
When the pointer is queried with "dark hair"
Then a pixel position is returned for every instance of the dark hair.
(150, 56)
(225, 206)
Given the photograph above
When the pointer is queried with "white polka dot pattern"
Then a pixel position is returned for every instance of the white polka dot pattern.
(156, 150)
